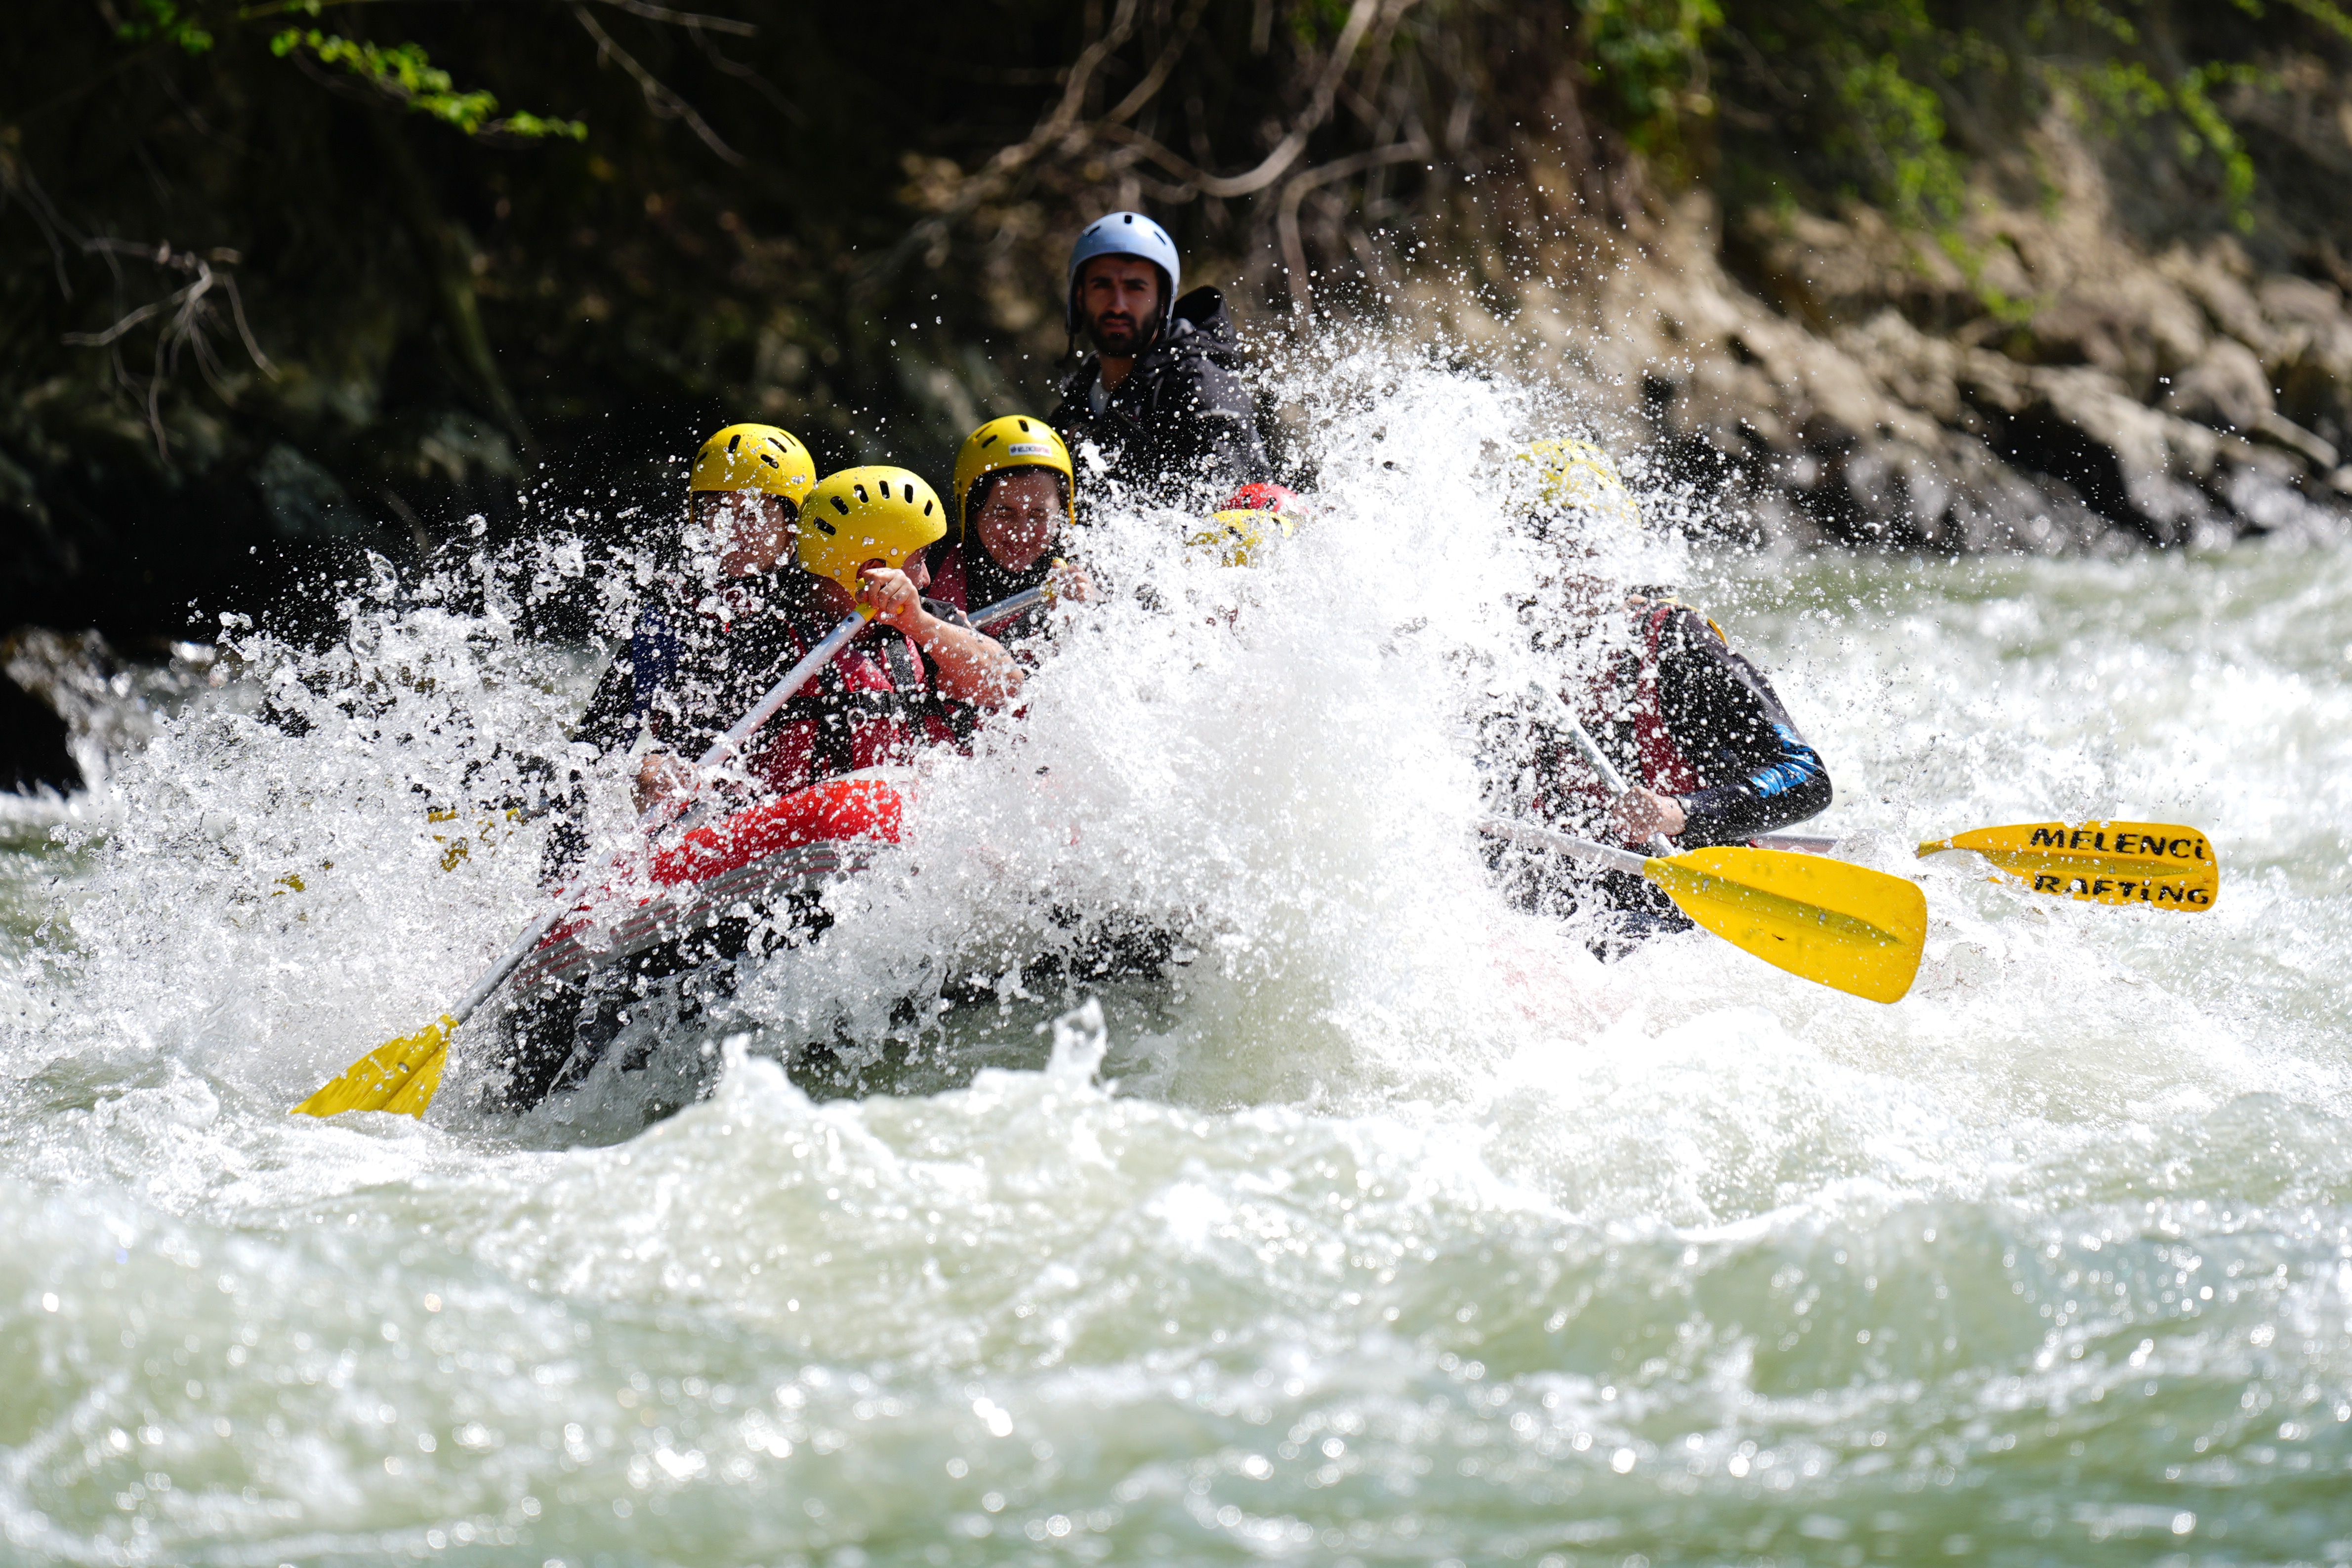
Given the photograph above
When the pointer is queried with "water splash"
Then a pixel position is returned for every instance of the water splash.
(1388, 1223)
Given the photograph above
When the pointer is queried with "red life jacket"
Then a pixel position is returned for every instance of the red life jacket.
(1625, 690)
(1664, 767)
(872, 706)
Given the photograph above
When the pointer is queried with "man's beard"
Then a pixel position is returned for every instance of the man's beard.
(1119, 336)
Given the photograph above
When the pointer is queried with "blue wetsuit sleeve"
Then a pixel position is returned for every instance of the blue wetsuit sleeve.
(1758, 772)
(625, 695)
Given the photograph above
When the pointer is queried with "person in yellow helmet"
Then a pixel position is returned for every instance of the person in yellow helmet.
(707, 655)
(743, 498)
(1015, 491)
(886, 696)
(881, 699)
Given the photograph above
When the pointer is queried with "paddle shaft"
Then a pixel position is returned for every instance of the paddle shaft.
(1795, 843)
(724, 748)
(509, 961)
(1583, 849)
(1011, 605)
(1596, 759)
(778, 695)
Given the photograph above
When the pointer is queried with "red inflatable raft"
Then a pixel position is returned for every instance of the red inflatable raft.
(802, 841)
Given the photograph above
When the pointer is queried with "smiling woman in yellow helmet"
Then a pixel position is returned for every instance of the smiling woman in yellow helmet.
(1014, 491)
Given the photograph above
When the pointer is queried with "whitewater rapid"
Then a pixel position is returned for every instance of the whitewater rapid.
(1391, 1227)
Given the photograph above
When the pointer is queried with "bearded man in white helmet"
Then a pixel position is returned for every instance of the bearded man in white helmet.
(1159, 403)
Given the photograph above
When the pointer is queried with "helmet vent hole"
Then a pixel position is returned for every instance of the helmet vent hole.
(841, 506)
(927, 509)
(733, 443)
(860, 490)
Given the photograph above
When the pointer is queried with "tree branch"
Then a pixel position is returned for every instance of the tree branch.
(1294, 251)
(991, 177)
(693, 19)
(664, 103)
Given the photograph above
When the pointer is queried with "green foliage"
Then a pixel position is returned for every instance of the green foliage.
(1649, 61)
(1896, 125)
(406, 72)
(163, 19)
(2128, 93)
(2328, 16)
(1894, 101)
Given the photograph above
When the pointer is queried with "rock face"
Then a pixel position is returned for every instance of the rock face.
(2046, 384)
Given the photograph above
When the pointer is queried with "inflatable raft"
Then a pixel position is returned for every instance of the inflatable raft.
(752, 859)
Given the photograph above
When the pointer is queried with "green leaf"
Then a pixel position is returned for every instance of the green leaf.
(404, 71)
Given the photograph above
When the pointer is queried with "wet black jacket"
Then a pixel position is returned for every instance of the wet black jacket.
(1755, 771)
(1181, 428)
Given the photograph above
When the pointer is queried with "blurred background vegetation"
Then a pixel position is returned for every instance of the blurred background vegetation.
(290, 279)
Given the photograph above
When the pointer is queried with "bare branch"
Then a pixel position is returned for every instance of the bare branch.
(777, 99)
(187, 328)
(146, 312)
(1294, 141)
(16, 180)
(1156, 77)
(991, 177)
(664, 103)
(1285, 152)
(1294, 251)
(693, 19)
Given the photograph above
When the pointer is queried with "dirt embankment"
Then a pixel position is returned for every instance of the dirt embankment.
(2042, 380)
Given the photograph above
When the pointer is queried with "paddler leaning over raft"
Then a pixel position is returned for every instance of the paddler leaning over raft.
(742, 609)
(1704, 745)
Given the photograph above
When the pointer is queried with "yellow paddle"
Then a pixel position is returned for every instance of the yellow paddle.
(2161, 865)
(1843, 926)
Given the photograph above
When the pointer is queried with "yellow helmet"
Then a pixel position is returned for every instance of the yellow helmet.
(865, 514)
(1015, 441)
(1236, 538)
(1577, 476)
(755, 458)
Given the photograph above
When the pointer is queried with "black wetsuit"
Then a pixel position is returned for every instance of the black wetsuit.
(1181, 428)
(1710, 732)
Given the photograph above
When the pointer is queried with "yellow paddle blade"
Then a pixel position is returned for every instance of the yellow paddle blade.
(398, 1075)
(2159, 864)
(1843, 926)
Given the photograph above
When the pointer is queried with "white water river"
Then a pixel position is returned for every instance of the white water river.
(1392, 1228)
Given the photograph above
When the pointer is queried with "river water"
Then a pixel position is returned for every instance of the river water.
(1389, 1227)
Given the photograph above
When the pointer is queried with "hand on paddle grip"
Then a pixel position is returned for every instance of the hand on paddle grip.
(1648, 818)
(664, 784)
(1641, 814)
(893, 597)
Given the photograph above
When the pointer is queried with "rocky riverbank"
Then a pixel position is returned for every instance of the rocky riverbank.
(2050, 383)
